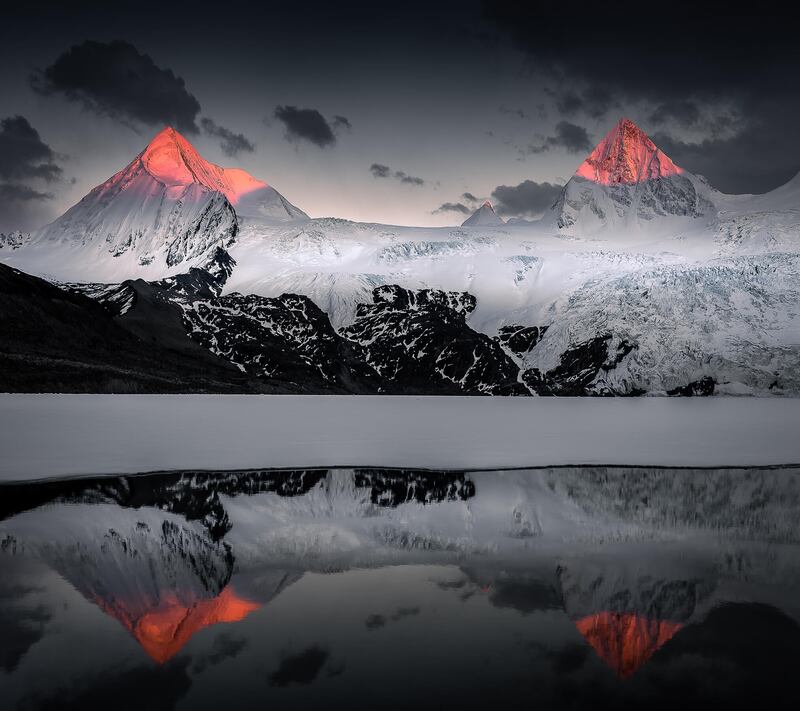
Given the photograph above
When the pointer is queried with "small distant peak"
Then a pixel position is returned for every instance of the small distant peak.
(484, 215)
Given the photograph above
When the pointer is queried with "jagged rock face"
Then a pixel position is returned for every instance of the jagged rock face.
(626, 177)
(13, 240)
(520, 340)
(134, 213)
(420, 342)
(581, 364)
(287, 339)
(392, 487)
(194, 496)
(703, 388)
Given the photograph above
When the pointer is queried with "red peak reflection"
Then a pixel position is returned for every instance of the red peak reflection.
(625, 640)
(163, 631)
(626, 156)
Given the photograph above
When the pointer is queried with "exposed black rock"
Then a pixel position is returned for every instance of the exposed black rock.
(520, 340)
(193, 495)
(287, 340)
(55, 340)
(196, 495)
(699, 388)
(392, 487)
(419, 341)
(580, 365)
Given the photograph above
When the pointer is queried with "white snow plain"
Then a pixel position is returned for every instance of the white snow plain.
(43, 436)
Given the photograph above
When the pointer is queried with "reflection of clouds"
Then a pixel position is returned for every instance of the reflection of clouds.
(20, 627)
(302, 668)
(374, 622)
(225, 646)
(151, 687)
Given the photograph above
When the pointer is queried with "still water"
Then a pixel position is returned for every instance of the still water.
(550, 588)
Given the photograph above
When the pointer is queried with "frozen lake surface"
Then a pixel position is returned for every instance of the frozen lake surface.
(60, 435)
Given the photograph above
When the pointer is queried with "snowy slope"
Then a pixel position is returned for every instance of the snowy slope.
(484, 215)
(167, 207)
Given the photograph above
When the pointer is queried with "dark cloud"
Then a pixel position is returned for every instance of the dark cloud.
(408, 179)
(469, 197)
(23, 154)
(375, 622)
(341, 122)
(682, 111)
(24, 158)
(144, 687)
(568, 135)
(115, 79)
(525, 596)
(20, 629)
(232, 144)
(300, 668)
(453, 207)
(403, 612)
(21, 193)
(379, 170)
(593, 101)
(310, 125)
(225, 646)
(749, 63)
(519, 113)
(528, 198)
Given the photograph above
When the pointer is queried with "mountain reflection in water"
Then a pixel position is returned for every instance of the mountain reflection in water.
(563, 587)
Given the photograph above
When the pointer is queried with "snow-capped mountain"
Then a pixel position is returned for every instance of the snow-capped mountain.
(484, 216)
(641, 279)
(167, 206)
(627, 179)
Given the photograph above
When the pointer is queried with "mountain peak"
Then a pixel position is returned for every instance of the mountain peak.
(169, 158)
(484, 215)
(174, 162)
(627, 156)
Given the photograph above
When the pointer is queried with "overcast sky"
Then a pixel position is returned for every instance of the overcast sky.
(407, 113)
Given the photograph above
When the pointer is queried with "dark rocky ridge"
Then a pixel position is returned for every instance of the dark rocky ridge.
(54, 340)
(580, 365)
(181, 335)
(421, 343)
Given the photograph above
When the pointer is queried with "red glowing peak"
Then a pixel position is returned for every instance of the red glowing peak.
(163, 630)
(626, 156)
(625, 641)
(173, 161)
(488, 204)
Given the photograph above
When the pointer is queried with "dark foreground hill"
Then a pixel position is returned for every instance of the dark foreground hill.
(54, 340)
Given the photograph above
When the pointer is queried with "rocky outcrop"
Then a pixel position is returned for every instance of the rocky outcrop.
(419, 341)
(519, 340)
(702, 388)
(579, 368)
